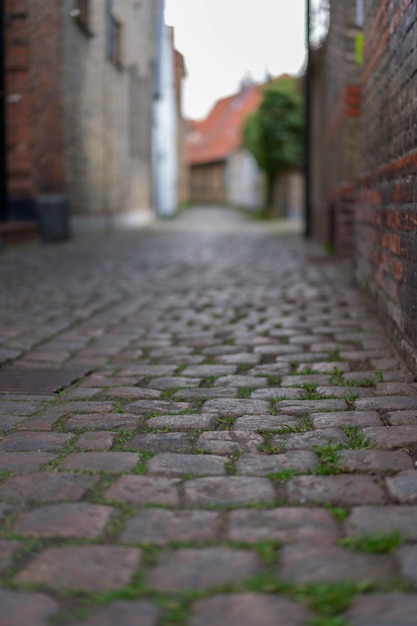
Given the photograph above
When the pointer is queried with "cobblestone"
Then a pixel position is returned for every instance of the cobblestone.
(47, 487)
(379, 609)
(246, 609)
(186, 464)
(145, 490)
(19, 608)
(301, 564)
(286, 524)
(124, 613)
(159, 527)
(227, 376)
(205, 568)
(86, 568)
(233, 490)
(64, 520)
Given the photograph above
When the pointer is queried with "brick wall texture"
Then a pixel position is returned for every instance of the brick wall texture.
(368, 154)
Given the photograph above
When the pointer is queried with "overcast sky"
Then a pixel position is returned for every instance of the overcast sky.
(222, 40)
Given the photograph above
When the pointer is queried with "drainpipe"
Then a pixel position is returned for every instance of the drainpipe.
(4, 205)
(307, 127)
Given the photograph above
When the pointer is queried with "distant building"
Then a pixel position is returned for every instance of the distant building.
(223, 171)
(81, 81)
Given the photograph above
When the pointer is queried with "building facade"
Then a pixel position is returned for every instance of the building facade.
(81, 81)
(367, 149)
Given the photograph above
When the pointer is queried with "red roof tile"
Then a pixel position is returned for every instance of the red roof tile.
(214, 138)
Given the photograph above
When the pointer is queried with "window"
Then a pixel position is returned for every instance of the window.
(81, 13)
(359, 13)
(114, 35)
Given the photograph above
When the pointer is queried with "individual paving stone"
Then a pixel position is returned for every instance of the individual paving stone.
(97, 440)
(396, 388)
(112, 462)
(282, 350)
(376, 461)
(228, 491)
(44, 422)
(383, 609)
(403, 487)
(161, 407)
(10, 407)
(149, 370)
(391, 437)
(201, 569)
(187, 464)
(205, 393)
(287, 525)
(346, 418)
(132, 392)
(324, 367)
(7, 422)
(386, 403)
(277, 393)
(159, 527)
(162, 442)
(22, 462)
(42, 442)
(247, 609)
(230, 441)
(266, 422)
(309, 439)
(306, 379)
(124, 613)
(262, 465)
(64, 520)
(47, 487)
(86, 407)
(145, 490)
(7, 549)
(183, 422)
(383, 521)
(107, 421)
(86, 568)
(236, 408)
(304, 407)
(340, 490)
(238, 358)
(399, 418)
(335, 391)
(174, 381)
(206, 371)
(407, 556)
(303, 564)
(255, 382)
(19, 608)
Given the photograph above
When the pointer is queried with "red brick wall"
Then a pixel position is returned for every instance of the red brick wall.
(386, 230)
(34, 96)
(336, 118)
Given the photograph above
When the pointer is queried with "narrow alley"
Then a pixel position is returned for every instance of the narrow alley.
(202, 423)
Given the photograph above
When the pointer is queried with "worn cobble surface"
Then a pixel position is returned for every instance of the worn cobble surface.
(238, 448)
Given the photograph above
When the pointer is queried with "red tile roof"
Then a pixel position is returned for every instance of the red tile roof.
(214, 138)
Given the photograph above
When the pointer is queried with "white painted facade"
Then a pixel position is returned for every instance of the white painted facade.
(244, 180)
(165, 130)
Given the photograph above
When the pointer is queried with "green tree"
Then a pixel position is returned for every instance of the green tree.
(274, 133)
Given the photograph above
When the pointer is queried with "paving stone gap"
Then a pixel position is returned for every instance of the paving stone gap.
(234, 439)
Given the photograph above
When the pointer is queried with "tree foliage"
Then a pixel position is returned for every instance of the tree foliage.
(274, 133)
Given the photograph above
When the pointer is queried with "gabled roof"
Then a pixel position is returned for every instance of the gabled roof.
(214, 138)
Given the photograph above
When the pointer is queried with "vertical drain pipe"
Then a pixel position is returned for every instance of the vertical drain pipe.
(307, 128)
(4, 208)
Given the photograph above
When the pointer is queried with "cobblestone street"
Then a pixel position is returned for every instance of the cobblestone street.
(237, 449)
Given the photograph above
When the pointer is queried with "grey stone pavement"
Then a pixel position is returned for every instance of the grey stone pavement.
(238, 447)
